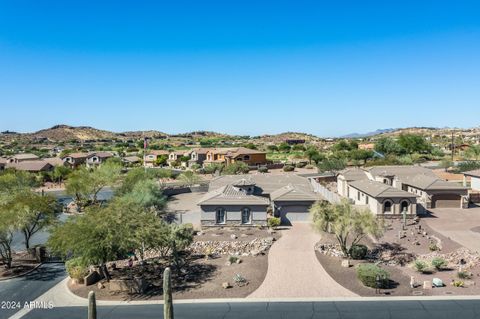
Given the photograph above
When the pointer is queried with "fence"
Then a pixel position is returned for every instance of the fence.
(330, 196)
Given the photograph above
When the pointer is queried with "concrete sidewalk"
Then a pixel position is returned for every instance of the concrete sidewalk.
(294, 271)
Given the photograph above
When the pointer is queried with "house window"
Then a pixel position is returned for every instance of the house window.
(387, 207)
(366, 200)
(246, 216)
(220, 216)
(246, 158)
(358, 195)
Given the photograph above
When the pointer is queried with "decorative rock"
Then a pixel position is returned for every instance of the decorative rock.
(228, 263)
(233, 236)
(437, 282)
(100, 285)
(427, 284)
(238, 261)
(226, 285)
(346, 263)
(412, 282)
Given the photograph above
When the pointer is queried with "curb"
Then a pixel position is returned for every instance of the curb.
(23, 274)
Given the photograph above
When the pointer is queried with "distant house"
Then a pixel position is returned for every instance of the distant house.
(246, 200)
(97, 158)
(54, 161)
(35, 166)
(131, 160)
(3, 163)
(175, 156)
(152, 156)
(229, 156)
(198, 156)
(366, 146)
(22, 157)
(74, 159)
(292, 141)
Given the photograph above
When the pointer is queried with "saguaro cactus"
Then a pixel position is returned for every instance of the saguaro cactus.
(92, 306)
(167, 295)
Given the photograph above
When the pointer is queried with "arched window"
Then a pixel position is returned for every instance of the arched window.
(404, 206)
(387, 207)
(220, 215)
(246, 158)
(246, 216)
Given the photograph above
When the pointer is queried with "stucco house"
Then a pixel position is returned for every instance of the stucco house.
(248, 200)
(17, 158)
(198, 156)
(35, 166)
(232, 155)
(382, 199)
(152, 156)
(175, 156)
(97, 158)
(429, 190)
(74, 159)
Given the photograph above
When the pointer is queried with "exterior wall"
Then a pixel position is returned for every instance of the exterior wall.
(475, 183)
(376, 204)
(234, 215)
(425, 199)
(342, 186)
(255, 159)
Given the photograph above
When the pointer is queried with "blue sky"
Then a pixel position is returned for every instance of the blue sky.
(242, 67)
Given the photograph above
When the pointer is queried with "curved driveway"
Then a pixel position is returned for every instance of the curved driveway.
(294, 271)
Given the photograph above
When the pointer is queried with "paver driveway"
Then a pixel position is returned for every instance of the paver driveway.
(457, 224)
(294, 271)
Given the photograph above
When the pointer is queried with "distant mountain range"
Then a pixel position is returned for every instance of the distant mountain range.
(369, 134)
(66, 133)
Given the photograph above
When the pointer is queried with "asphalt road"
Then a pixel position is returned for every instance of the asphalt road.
(29, 287)
(459, 309)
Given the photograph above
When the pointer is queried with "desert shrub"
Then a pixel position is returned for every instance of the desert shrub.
(439, 263)
(358, 251)
(458, 283)
(433, 247)
(240, 280)
(309, 166)
(273, 222)
(368, 273)
(263, 169)
(420, 266)
(232, 259)
(301, 164)
(288, 168)
(76, 268)
(464, 275)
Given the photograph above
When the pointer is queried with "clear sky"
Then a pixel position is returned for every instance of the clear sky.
(244, 67)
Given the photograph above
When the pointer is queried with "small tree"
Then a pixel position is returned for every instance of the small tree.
(332, 165)
(189, 178)
(446, 164)
(348, 224)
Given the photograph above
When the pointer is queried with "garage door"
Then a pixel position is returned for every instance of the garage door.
(291, 214)
(446, 201)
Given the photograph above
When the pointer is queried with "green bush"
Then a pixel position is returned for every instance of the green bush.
(368, 273)
(420, 266)
(358, 251)
(263, 169)
(433, 247)
(273, 222)
(301, 164)
(464, 275)
(76, 268)
(232, 259)
(309, 166)
(288, 168)
(439, 263)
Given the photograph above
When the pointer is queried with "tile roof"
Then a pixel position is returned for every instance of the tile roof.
(400, 171)
(292, 193)
(377, 189)
(230, 195)
(31, 166)
(354, 174)
(426, 182)
(474, 173)
(25, 156)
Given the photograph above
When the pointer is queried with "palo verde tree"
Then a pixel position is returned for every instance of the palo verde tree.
(348, 224)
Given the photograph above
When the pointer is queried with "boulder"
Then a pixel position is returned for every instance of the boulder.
(100, 285)
(226, 285)
(228, 263)
(437, 282)
(346, 263)
(233, 236)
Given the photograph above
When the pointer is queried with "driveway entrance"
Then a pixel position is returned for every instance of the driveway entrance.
(294, 271)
